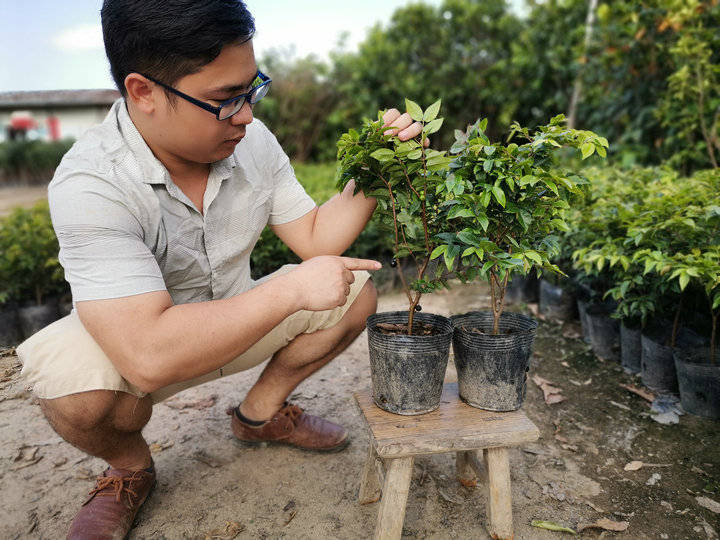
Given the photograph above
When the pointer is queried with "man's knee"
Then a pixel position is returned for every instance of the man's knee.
(87, 411)
(365, 304)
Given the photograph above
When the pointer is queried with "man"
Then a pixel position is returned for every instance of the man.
(157, 210)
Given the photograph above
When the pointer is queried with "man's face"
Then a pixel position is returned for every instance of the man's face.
(193, 134)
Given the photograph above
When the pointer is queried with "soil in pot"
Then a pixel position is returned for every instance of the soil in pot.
(698, 381)
(556, 302)
(630, 348)
(9, 325)
(33, 317)
(604, 331)
(491, 368)
(408, 370)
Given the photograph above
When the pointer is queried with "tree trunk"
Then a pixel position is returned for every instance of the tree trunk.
(577, 89)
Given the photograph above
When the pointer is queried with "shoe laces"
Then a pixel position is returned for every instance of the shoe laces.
(115, 486)
(293, 412)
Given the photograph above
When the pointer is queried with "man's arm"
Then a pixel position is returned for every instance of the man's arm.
(153, 343)
(334, 226)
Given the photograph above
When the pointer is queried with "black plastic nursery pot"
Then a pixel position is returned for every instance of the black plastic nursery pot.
(604, 331)
(522, 289)
(657, 367)
(9, 325)
(408, 371)
(584, 321)
(36, 317)
(698, 381)
(630, 348)
(491, 368)
(555, 301)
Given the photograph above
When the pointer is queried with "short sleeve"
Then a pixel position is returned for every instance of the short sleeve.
(101, 241)
(290, 201)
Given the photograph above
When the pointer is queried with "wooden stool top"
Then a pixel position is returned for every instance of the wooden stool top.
(453, 427)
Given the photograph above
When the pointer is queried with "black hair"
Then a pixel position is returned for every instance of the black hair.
(168, 39)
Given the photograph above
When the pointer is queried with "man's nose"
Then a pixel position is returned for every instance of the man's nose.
(244, 116)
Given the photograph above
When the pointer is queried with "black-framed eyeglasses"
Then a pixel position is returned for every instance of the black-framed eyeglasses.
(259, 89)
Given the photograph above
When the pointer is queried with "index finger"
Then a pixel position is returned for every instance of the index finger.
(360, 264)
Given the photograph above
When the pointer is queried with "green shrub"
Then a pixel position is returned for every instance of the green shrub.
(29, 267)
(31, 161)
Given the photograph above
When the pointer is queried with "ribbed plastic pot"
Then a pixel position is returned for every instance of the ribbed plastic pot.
(584, 321)
(556, 302)
(630, 348)
(9, 326)
(408, 371)
(34, 318)
(657, 366)
(492, 368)
(698, 381)
(604, 332)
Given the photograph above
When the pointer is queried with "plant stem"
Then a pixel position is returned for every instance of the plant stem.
(713, 338)
(676, 323)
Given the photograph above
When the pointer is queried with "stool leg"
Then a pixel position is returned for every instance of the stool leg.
(470, 469)
(370, 490)
(499, 500)
(394, 498)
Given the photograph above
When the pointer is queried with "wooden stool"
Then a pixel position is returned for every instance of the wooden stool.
(479, 438)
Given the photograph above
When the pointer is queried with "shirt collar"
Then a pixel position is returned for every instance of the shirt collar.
(153, 171)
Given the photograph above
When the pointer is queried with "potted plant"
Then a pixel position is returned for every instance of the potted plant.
(30, 260)
(408, 350)
(507, 203)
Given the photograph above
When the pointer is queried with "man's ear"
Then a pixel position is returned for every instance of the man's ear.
(141, 92)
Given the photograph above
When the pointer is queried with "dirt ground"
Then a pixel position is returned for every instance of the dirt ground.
(25, 196)
(208, 483)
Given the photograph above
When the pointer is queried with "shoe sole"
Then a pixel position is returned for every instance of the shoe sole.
(262, 444)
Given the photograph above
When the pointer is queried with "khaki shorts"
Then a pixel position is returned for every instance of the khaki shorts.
(63, 359)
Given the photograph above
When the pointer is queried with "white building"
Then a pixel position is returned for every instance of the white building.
(52, 114)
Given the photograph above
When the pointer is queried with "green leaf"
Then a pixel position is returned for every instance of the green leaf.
(415, 154)
(488, 165)
(534, 256)
(383, 154)
(499, 195)
(550, 526)
(438, 251)
(684, 280)
(431, 112)
(587, 150)
(414, 110)
(484, 221)
(433, 126)
(459, 211)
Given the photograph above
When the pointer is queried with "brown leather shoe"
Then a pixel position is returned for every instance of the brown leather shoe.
(291, 425)
(109, 512)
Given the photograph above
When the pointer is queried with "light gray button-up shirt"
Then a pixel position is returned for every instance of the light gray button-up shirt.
(125, 228)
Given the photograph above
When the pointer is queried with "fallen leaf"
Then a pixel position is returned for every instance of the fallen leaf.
(564, 364)
(84, 474)
(571, 331)
(653, 479)
(561, 438)
(230, 531)
(645, 394)
(708, 503)
(620, 405)
(633, 466)
(607, 524)
(199, 404)
(26, 463)
(59, 462)
(570, 447)
(448, 498)
(595, 507)
(550, 526)
(533, 307)
(202, 457)
(588, 382)
(160, 446)
(551, 394)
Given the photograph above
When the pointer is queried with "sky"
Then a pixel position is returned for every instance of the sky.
(52, 45)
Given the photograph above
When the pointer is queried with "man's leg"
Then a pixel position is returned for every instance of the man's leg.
(103, 423)
(107, 424)
(304, 355)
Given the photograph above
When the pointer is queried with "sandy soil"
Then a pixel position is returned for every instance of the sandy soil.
(573, 475)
